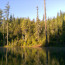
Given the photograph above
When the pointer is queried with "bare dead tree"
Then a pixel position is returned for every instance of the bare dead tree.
(45, 22)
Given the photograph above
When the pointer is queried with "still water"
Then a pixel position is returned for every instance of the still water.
(32, 56)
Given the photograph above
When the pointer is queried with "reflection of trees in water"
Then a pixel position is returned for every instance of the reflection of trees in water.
(24, 56)
(6, 56)
(31, 56)
(46, 56)
(57, 56)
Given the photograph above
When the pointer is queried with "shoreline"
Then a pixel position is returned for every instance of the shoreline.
(33, 46)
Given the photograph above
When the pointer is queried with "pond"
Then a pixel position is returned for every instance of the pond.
(32, 56)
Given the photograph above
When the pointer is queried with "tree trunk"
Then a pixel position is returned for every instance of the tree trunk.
(45, 23)
(7, 33)
(3, 31)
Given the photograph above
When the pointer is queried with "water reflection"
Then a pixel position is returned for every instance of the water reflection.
(32, 56)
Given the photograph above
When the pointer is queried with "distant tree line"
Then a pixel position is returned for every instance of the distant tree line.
(26, 32)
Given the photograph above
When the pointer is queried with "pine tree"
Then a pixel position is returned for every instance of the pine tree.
(37, 27)
(7, 16)
(24, 28)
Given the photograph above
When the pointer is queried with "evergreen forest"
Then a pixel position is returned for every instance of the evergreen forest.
(26, 32)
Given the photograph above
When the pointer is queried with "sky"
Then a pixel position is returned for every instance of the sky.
(27, 8)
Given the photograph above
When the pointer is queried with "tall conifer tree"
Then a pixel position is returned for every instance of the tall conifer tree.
(7, 16)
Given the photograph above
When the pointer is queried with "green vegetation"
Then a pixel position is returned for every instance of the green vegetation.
(26, 32)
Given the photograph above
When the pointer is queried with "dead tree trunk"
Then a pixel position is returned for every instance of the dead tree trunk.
(45, 23)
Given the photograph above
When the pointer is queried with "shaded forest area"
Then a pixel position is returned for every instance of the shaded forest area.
(26, 32)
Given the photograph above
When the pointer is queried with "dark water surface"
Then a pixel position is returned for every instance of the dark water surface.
(32, 56)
